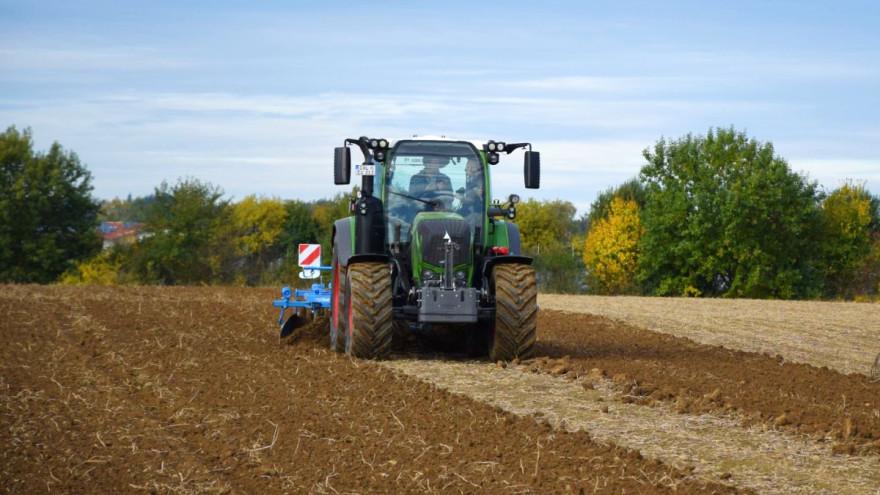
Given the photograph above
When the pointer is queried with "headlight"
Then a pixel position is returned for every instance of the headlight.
(374, 144)
(429, 275)
(383, 143)
(491, 146)
(499, 146)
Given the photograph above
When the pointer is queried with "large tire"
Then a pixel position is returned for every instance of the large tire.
(337, 309)
(369, 327)
(515, 328)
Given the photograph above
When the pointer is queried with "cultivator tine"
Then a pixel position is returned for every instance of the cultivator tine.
(295, 321)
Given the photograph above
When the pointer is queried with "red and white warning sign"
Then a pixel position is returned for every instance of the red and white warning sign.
(309, 255)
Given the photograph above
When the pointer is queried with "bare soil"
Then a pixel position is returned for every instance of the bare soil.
(650, 367)
(187, 390)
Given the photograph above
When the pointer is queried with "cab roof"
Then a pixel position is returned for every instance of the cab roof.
(477, 144)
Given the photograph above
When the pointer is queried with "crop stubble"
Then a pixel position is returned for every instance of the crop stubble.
(840, 335)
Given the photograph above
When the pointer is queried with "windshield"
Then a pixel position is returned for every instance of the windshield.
(432, 176)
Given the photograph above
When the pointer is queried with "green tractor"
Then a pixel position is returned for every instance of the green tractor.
(427, 251)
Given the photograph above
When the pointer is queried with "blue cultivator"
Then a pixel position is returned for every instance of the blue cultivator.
(305, 303)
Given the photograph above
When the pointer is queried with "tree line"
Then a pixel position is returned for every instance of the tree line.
(723, 215)
(719, 214)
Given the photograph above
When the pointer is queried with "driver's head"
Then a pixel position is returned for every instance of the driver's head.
(473, 167)
(435, 162)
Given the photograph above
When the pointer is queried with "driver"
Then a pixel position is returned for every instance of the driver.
(432, 181)
(471, 195)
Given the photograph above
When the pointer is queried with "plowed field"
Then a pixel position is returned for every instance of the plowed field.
(187, 390)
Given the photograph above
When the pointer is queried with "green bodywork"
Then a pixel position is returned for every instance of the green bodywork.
(497, 234)
(418, 264)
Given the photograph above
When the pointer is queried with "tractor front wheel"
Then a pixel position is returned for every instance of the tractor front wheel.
(515, 329)
(369, 327)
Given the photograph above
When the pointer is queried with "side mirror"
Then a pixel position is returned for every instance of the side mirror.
(532, 169)
(342, 165)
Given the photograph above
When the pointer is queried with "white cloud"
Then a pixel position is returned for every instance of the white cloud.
(88, 59)
(832, 172)
(605, 84)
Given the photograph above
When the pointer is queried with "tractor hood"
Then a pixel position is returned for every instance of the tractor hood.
(430, 232)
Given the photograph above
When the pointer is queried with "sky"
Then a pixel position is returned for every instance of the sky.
(253, 96)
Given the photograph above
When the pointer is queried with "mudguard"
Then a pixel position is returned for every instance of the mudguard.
(343, 239)
(505, 234)
(343, 244)
(513, 242)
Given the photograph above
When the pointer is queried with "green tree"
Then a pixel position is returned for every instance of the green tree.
(325, 212)
(300, 227)
(48, 217)
(548, 232)
(850, 218)
(725, 216)
(125, 210)
(187, 235)
(631, 190)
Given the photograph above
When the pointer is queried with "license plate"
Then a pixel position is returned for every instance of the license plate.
(365, 170)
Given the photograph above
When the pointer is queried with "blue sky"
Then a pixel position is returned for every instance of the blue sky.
(254, 97)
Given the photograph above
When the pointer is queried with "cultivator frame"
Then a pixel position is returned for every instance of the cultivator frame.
(305, 303)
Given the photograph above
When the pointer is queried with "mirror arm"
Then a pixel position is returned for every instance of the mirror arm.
(511, 147)
(362, 144)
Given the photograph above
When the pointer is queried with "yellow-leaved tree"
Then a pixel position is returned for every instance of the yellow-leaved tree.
(257, 223)
(611, 249)
(255, 228)
(102, 269)
(850, 220)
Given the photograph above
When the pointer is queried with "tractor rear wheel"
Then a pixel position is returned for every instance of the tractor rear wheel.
(515, 328)
(369, 326)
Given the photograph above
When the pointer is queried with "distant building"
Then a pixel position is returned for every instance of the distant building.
(118, 233)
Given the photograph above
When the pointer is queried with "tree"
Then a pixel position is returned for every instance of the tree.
(725, 216)
(849, 220)
(325, 212)
(257, 223)
(48, 217)
(256, 229)
(125, 210)
(187, 235)
(547, 229)
(632, 190)
(102, 269)
(611, 249)
(545, 225)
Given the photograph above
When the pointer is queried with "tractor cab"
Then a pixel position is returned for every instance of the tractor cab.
(434, 190)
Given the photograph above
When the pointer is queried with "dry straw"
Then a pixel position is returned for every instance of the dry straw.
(840, 335)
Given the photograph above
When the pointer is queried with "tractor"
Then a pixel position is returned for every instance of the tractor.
(426, 251)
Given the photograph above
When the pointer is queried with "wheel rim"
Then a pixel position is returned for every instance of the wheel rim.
(335, 296)
(349, 317)
(334, 320)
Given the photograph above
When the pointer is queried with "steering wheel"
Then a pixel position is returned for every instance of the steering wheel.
(441, 200)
